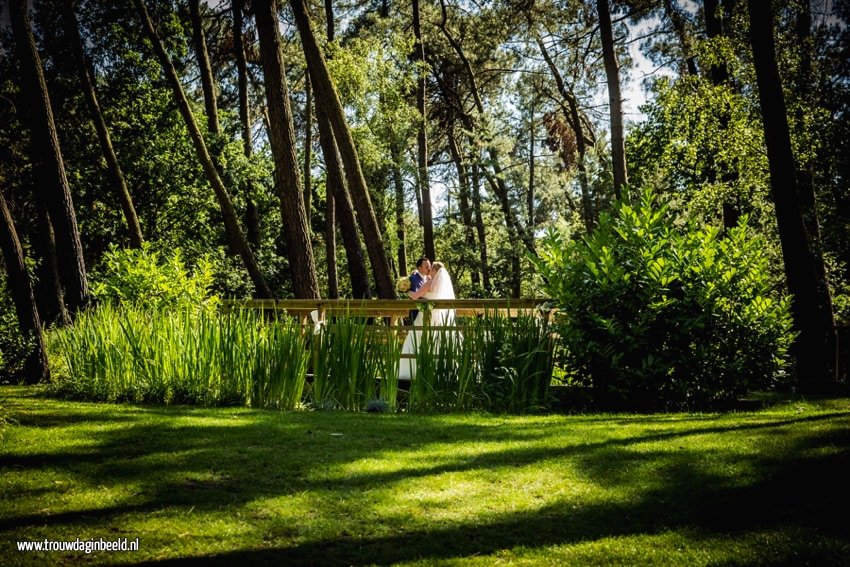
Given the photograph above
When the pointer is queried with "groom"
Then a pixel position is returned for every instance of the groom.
(417, 278)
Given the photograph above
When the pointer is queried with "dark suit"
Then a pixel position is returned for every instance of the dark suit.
(416, 281)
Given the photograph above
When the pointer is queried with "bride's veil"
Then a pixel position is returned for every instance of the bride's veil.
(441, 286)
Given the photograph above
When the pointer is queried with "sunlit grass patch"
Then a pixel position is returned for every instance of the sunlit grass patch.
(236, 485)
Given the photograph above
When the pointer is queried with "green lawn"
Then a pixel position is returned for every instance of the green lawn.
(246, 486)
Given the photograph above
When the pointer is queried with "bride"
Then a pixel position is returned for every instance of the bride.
(438, 287)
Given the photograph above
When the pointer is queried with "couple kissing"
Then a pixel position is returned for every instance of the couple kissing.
(431, 282)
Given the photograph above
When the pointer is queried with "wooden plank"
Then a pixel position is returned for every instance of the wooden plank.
(388, 314)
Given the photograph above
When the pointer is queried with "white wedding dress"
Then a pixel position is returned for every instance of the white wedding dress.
(441, 288)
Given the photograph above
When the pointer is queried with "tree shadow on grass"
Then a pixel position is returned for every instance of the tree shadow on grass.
(778, 502)
(294, 445)
(189, 458)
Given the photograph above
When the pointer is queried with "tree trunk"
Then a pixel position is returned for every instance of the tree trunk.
(252, 218)
(330, 244)
(719, 76)
(573, 118)
(231, 223)
(116, 176)
(463, 206)
(329, 17)
(615, 100)
(327, 98)
(810, 308)
(330, 200)
(308, 149)
(49, 295)
(418, 198)
(805, 178)
(340, 199)
(718, 72)
(282, 137)
(35, 366)
(398, 183)
(207, 84)
(529, 196)
(51, 183)
(803, 90)
(678, 22)
(199, 44)
(422, 140)
(479, 228)
(516, 276)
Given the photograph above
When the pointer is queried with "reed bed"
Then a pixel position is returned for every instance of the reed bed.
(189, 355)
(345, 364)
(492, 362)
(205, 357)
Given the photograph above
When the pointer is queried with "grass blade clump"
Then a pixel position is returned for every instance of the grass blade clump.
(345, 364)
(422, 393)
(388, 356)
(279, 369)
(515, 362)
(202, 356)
(184, 355)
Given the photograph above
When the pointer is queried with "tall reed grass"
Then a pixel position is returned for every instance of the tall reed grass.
(186, 355)
(345, 364)
(493, 363)
(388, 361)
(516, 362)
(201, 356)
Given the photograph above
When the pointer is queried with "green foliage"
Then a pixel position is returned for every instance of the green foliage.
(494, 363)
(706, 142)
(841, 303)
(345, 365)
(190, 355)
(148, 277)
(14, 346)
(374, 78)
(187, 355)
(658, 316)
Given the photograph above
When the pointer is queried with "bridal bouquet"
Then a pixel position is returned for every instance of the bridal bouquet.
(403, 285)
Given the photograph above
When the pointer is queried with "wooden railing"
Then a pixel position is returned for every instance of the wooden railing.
(392, 310)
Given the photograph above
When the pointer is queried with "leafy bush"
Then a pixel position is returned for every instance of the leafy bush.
(658, 313)
(148, 277)
(14, 347)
